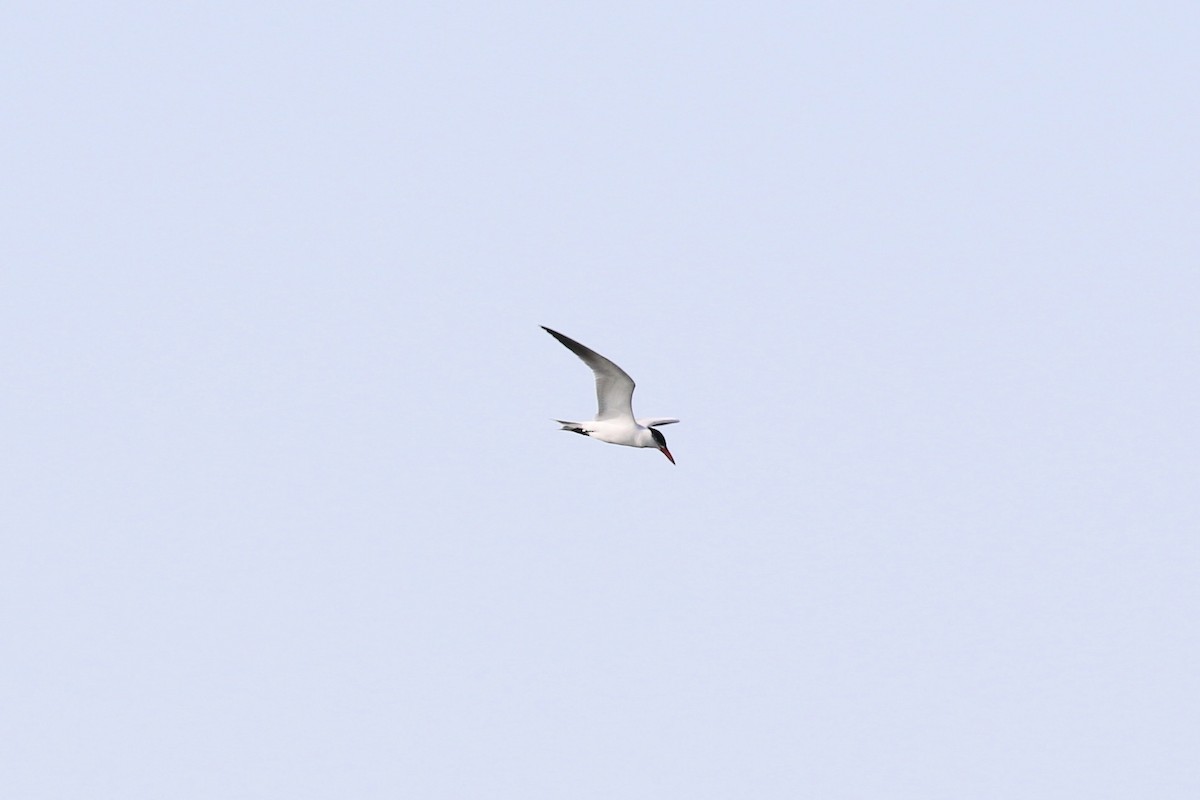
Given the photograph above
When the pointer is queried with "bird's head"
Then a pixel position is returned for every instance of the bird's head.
(661, 443)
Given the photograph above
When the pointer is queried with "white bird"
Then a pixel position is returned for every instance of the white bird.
(614, 421)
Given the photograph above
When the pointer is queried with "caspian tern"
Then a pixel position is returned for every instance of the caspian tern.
(614, 421)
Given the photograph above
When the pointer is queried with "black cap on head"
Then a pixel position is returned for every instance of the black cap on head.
(658, 437)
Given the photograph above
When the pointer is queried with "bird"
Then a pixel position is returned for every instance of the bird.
(614, 422)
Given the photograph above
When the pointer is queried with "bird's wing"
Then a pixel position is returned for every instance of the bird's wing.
(614, 387)
(654, 422)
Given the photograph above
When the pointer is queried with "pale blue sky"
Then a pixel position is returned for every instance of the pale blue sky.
(284, 512)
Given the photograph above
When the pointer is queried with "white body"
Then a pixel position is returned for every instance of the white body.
(629, 432)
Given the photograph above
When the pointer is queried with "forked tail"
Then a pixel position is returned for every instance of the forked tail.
(573, 427)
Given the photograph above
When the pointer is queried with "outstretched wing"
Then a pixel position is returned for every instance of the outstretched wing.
(614, 387)
(654, 422)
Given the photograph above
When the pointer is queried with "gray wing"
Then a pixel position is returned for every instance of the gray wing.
(614, 387)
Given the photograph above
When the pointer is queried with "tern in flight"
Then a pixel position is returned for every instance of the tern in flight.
(614, 422)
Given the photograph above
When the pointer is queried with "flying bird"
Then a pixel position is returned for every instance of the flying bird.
(614, 422)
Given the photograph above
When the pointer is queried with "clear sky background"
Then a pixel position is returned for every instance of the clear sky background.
(284, 513)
